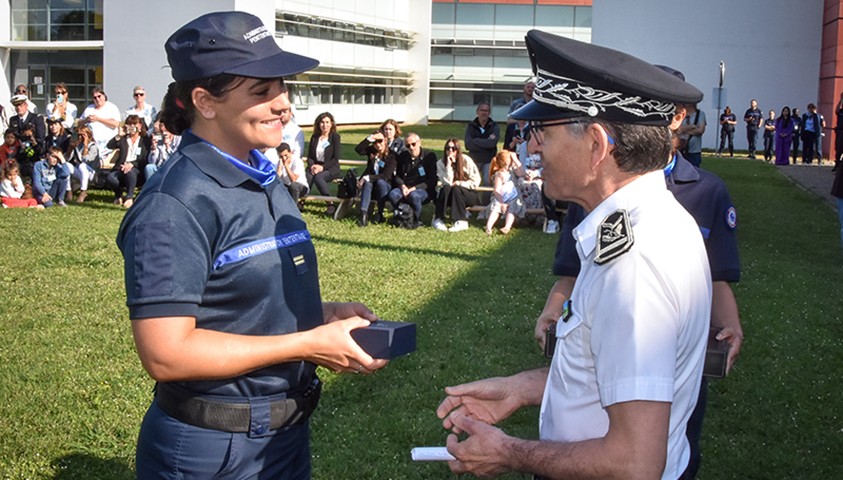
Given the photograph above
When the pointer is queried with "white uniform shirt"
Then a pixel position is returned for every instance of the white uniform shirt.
(294, 137)
(639, 324)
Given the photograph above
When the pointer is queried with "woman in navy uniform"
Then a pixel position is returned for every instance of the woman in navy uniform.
(221, 275)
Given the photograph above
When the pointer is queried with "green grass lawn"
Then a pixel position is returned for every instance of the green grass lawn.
(72, 391)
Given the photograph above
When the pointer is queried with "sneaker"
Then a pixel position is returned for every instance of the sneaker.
(459, 226)
(61, 203)
(551, 227)
(438, 224)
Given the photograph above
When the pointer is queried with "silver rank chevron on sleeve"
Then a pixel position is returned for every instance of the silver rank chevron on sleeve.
(615, 237)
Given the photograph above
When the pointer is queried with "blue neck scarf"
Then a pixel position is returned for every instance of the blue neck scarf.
(259, 167)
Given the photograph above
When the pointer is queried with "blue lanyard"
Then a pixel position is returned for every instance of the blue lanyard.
(670, 166)
(263, 171)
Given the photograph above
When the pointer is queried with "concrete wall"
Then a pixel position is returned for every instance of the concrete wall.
(774, 58)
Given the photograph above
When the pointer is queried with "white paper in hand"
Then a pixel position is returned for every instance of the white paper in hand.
(431, 454)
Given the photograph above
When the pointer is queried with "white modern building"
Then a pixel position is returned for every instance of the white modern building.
(420, 60)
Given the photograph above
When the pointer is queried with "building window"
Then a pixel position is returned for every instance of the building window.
(299, 25)
(56, 20)
(80, 70)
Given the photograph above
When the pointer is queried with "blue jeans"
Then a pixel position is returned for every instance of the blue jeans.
(416, 199)
(169, 449)
(57, 191)
(381, 191)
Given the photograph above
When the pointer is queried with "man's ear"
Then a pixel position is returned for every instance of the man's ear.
(678, 117)
(600, 146)
(204, 102)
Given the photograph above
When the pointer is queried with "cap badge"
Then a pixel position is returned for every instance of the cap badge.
(570, 94)
(615, 237)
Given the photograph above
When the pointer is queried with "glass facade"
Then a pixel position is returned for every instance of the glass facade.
(56, 20)
(478, 52)
(338, 31)
(40, 71)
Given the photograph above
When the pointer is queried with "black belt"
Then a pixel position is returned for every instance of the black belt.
(239, 417)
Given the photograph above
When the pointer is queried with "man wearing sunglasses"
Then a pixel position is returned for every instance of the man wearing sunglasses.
(147, 112)
(630, 344)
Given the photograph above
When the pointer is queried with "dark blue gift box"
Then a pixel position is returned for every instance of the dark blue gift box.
(386, 340)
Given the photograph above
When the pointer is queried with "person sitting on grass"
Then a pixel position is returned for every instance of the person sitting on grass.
(505, 198)
(380, 169)
(10, 147)
(458, 179)
(49, 178)
(12, 189)
(85, 160)
(291, 173)
(415, 181)
(133, 144)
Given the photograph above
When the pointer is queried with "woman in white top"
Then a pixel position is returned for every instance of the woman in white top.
(458, 179)
(61, 108)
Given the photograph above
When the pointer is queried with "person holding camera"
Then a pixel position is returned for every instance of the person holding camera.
(134, 147)
(31, 150)
(61, 109)
(376, 178)
(103, 117)
(49, 178)
(164, 144)
(84, 159)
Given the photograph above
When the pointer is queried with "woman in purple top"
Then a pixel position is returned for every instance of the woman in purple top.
(784, 137)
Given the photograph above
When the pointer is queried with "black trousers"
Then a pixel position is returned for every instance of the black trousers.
(459, 198)
(809, 139)
(120, 182)
(795, 146)
(730, 136)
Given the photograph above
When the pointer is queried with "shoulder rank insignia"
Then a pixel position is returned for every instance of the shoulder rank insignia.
(615, 237)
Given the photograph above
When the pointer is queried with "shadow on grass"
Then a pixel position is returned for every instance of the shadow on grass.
(403, 249)
(77, 466)
(476, 326)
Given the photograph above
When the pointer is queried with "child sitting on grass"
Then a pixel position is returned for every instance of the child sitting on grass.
(49, 178)
(505, 199)
(11, 189)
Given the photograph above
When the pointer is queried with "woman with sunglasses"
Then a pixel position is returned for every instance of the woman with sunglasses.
(376, 179)
(221, 273)
(458, 179)
(103, 117)
(61, 108)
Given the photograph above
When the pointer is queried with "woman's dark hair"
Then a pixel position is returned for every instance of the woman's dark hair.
(317, 130)
(785, 109)
(459, 164)
(136, 120)
(177, 109)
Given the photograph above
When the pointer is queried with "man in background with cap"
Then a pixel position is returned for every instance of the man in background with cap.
(630, 344)
(23, 116)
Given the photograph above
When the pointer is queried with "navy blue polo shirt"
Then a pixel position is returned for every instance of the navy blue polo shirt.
(704, 196)
(206, 240)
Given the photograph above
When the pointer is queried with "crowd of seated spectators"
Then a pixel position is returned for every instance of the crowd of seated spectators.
(75, 149)
(46, 158)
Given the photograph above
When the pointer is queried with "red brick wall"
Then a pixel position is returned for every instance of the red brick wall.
(831, 69)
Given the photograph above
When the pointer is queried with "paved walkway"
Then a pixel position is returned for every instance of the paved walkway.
(813, 178)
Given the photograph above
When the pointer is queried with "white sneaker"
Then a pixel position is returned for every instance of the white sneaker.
(551, 227)
(459, 226)
(438, 224)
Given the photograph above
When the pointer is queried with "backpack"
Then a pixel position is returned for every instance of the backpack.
(404, 217)
(347, 187)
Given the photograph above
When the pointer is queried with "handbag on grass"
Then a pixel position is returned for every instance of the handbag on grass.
(348, 186)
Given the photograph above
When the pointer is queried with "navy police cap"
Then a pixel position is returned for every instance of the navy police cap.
(580, 79)
(235, 43)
